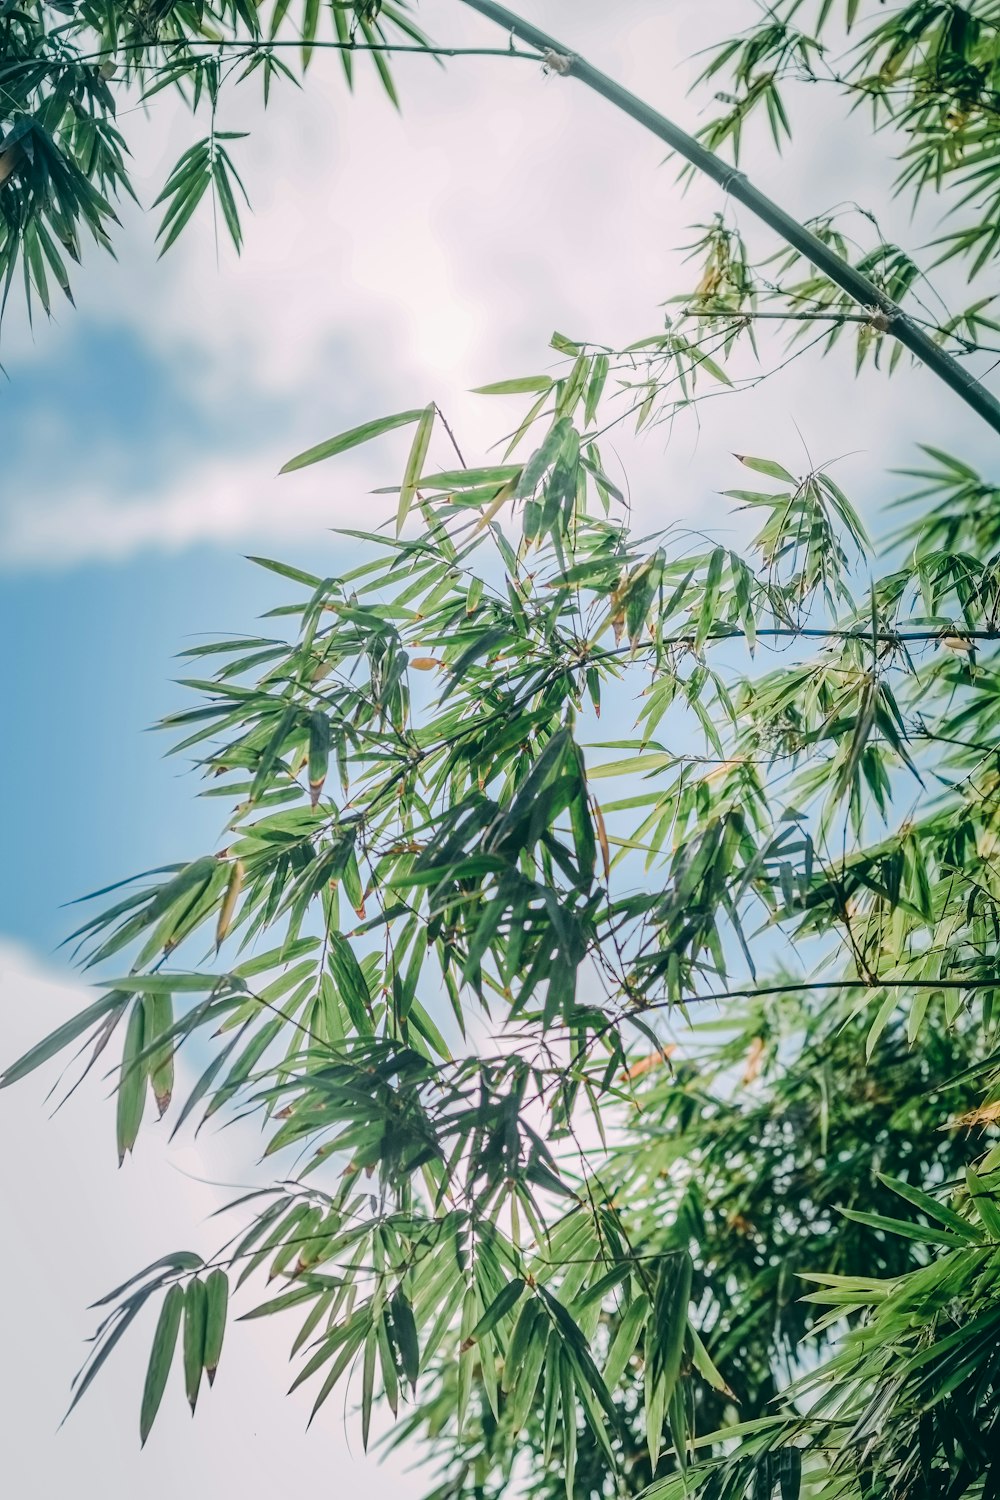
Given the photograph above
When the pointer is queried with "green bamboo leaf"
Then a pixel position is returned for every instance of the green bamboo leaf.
(655, 1404)
(178, 1260)
(471, 479)
(353, 1338)
(111, 1005)
(985, 1201)
(767, 466)
(625, 1340)
(668, 1330)
(930, 1206)
(790, 1473)
(705, 362)
(526, 1383)
(415, 464)
(576, 1346)
(543, 458)
(160, 1358)
(205, 1081)
(926, 1233)
(165, 984)
(216, 1300)
(517, 387)
(387, 1362)
(351, 983)
(195, 1311)
(284, 725)
(350, 439)
(131, 1082)
(710, 598)
(158, 1020)
(520, 1341)
(502, 1304)
(705, 1365)
(368, 1384)
(595, 387)
(226, 199)
(285, 570)
(319, 754)
(404, 1331)
(85, 1377)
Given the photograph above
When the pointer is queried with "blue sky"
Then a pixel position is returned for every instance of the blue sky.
(143, 431)
(388, 262)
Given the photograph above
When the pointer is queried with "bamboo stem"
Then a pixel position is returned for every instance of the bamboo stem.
(738, 186)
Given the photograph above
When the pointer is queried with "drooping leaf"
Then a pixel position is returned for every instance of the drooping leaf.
(160, 1358)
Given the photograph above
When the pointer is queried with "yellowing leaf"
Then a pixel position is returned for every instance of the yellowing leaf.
(229, 902)
(415, 464)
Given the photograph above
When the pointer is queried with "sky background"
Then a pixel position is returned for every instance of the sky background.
(389, 261)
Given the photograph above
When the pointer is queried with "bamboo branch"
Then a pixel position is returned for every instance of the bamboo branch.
(956, 639)
(820, 986)
(738, 186)
(271, 45)
(250, 46)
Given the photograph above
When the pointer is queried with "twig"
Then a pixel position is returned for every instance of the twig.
(454, 442)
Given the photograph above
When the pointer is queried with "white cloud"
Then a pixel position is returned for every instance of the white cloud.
(403, 257)
(74, 1227)
(223, 500)
(391, 260)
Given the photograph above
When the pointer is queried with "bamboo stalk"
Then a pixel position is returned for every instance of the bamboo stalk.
(737, 185)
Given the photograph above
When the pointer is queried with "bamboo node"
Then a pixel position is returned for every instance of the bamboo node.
(558, 62)
(879, 319)
(734, 175)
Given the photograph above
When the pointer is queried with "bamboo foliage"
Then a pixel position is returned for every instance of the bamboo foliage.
(453, 857)
(605, 930)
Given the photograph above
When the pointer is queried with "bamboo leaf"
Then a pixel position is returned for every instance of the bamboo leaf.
(405, 1332)
(131, 1082)
(216, 1300)
(767, 466)
(158, 1021)
(319, 754)
(195, 1310)
(160, 1359)
(353, 438)
(504, 1303)
(110, 1005)
(415, 464)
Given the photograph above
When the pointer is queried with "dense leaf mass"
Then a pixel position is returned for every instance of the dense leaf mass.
(606, 931)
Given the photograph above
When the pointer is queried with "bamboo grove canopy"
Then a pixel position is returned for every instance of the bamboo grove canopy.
(631, 1096)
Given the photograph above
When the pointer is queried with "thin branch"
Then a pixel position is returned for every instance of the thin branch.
(251, 45)
(815, 632)
(451, 436)
(808, 986)
(269, 46)
(783, 317)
